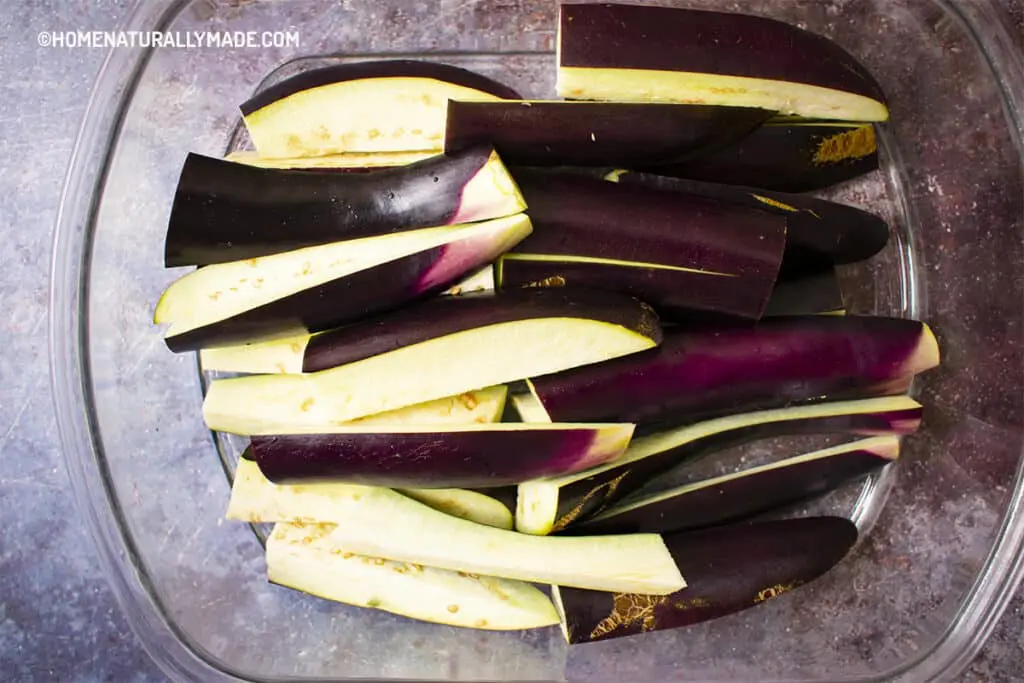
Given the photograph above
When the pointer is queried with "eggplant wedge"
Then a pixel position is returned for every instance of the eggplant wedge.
(717, 369)
(255, 499)
(225, 211)
(456, 456)
(819, 233)
(552, 505)
(662, 54)
(744, 494)
(810, 294)
(675, 251)
(728, 569)
(298, 558)
(427, 321)
(351, 162)
(317, 288)
(382, 523)
(788, 156)
(402, 363)
(374, 106)
(556, 133)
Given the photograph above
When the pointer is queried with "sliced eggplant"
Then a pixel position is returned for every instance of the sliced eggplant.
(728, 569)
(788, 156)
(662, 54)
(819, 233)
(298, 557)
(743, 494)
(352, 161)
(255, 499)
(555, 133)
(374, 106)
(551, 505)
(721, 368)
(810, 294)
(456, 456)
(225, 211)
(313, 289)
(404, 363)
(382, 523)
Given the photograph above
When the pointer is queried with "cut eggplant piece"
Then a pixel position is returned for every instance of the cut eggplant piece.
(551, 505)
(555, 133)
(382, 523)
(718, 369)
(376, 106)
(255, 499)
(728, 569)
(788, 156)
(456, 456)
(819, 233)
(353, 161)
(298, 557)
(811, 294)
(661, 54)
(225, 211)
(313, 289)
(673, 250)
(743, 494)
(549, 330)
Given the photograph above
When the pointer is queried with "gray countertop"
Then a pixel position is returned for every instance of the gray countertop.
(58, 619)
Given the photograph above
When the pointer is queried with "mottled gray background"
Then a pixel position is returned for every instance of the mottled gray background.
(58, 620)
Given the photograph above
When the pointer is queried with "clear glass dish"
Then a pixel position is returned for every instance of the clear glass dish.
(914, 602)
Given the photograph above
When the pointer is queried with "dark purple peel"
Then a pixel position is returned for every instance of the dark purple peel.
(582, 498)
(673, 293)
(631, 38)
(819, 233)
(555, 133)
(449, 315)
(727, 569)
(225, 211)
(744, 494)
(351, 297)
(788, 157)
(478, 456)
(585, 217)
(811, 294)
(722, 369)
(400, 68)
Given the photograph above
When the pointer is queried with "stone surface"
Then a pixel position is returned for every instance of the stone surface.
(58, 619)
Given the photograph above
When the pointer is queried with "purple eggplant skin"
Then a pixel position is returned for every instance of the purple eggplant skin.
(584, 499)
(727, 570)
(449, 315)
(739, 498)
(674, 294)
(461, 459)
(397, 68)
(343, 300)
(614, 36)
(697, 373)
(809, 294)
(819, 233)
(224, 211)
(555, 133)
(574, 215)
(787, 157)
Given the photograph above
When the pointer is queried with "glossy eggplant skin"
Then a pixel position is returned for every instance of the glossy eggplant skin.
(727, 569)
(449, 315)
(397, 68)
(735, 499)
(225, 211)
(618, 36)
(718, 369)
(809, 294)
(787, 157)
(556, 133)
(586, 498)
(819, 233)
(433, 459)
